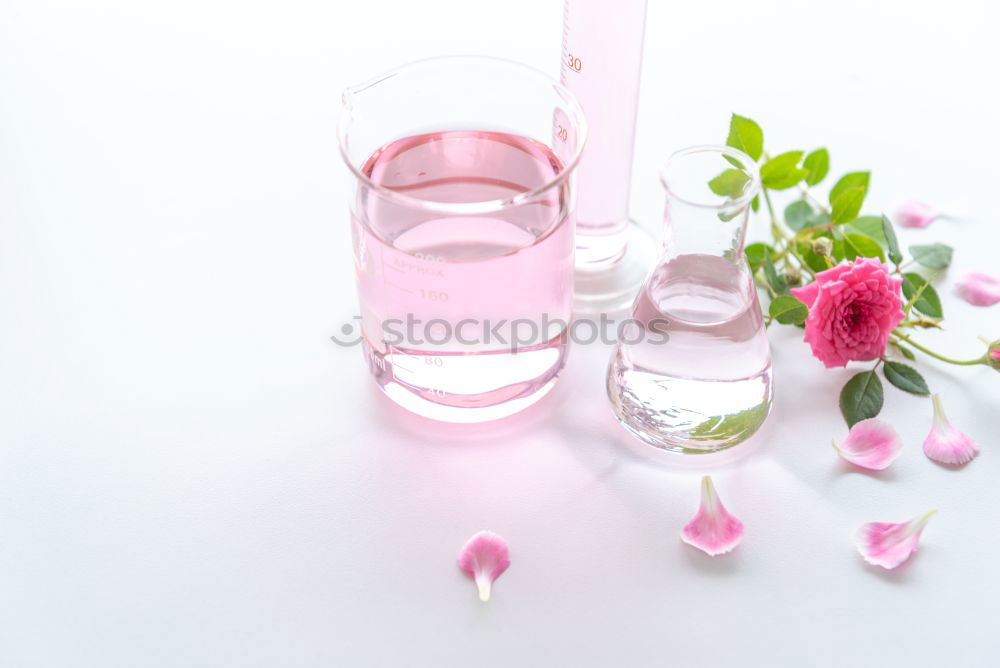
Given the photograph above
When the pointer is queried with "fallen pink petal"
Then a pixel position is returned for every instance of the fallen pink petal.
(946, 444)
(712, 530)
(871, 444)
(915, 214)
(888, 545)
(484, 558)
(979, 289)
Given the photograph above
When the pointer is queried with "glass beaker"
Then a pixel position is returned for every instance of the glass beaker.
(462, 200)
(692, 372)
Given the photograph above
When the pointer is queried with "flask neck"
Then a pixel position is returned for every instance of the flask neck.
(699, 230)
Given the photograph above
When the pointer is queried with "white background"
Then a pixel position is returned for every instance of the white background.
(192, 474)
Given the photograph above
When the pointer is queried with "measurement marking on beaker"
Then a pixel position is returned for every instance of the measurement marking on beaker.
(434, 295)
(428, 257)
(574, 63)
(377, 360)
(420, 266)
(399, 287)
(394, 362)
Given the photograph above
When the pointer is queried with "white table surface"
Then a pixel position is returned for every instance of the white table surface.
(192, 474)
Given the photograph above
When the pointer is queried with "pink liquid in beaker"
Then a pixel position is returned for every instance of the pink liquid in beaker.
(464, 314)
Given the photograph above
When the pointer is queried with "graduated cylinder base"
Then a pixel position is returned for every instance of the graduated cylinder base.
(608, 276)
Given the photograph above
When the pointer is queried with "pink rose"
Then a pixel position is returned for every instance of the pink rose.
(852, 309)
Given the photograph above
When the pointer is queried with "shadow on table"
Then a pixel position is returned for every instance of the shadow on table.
(906, 572)
(425, 431)
(721, 565)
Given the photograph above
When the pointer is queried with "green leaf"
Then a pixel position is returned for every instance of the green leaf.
(788, 310)
(789, 180)
(740, 424)
(847, 206)
(838, 251)
(932, 256)
(780, 164)
(889, 232)
(729, 183)
(821, 218)
(852, 180)
(906, 378)
(755, 204)
(798, 214)
(877, 228)
(861, 398)
(815, 262)
(782, 171)
(746, 135)
(906, 352)
(774, 279)
(859, 245)
(756, 252)
(928, 302)
(818, 164)
(870, 226)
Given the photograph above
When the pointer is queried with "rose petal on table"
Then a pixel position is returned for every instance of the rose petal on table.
(888, 545)
(945, 443)
(979, 289)
(915, 214)
(712, 530)
(871, 444)
(484, 557)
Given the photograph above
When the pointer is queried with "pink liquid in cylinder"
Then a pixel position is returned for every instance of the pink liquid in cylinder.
(601, 63)
(464, 314)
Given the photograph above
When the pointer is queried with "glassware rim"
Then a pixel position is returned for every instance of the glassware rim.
(485, 206)
(746, 162)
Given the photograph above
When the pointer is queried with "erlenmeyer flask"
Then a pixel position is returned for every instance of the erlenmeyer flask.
(692, 372)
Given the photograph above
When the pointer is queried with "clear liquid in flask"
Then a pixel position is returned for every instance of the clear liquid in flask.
(698, 377)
